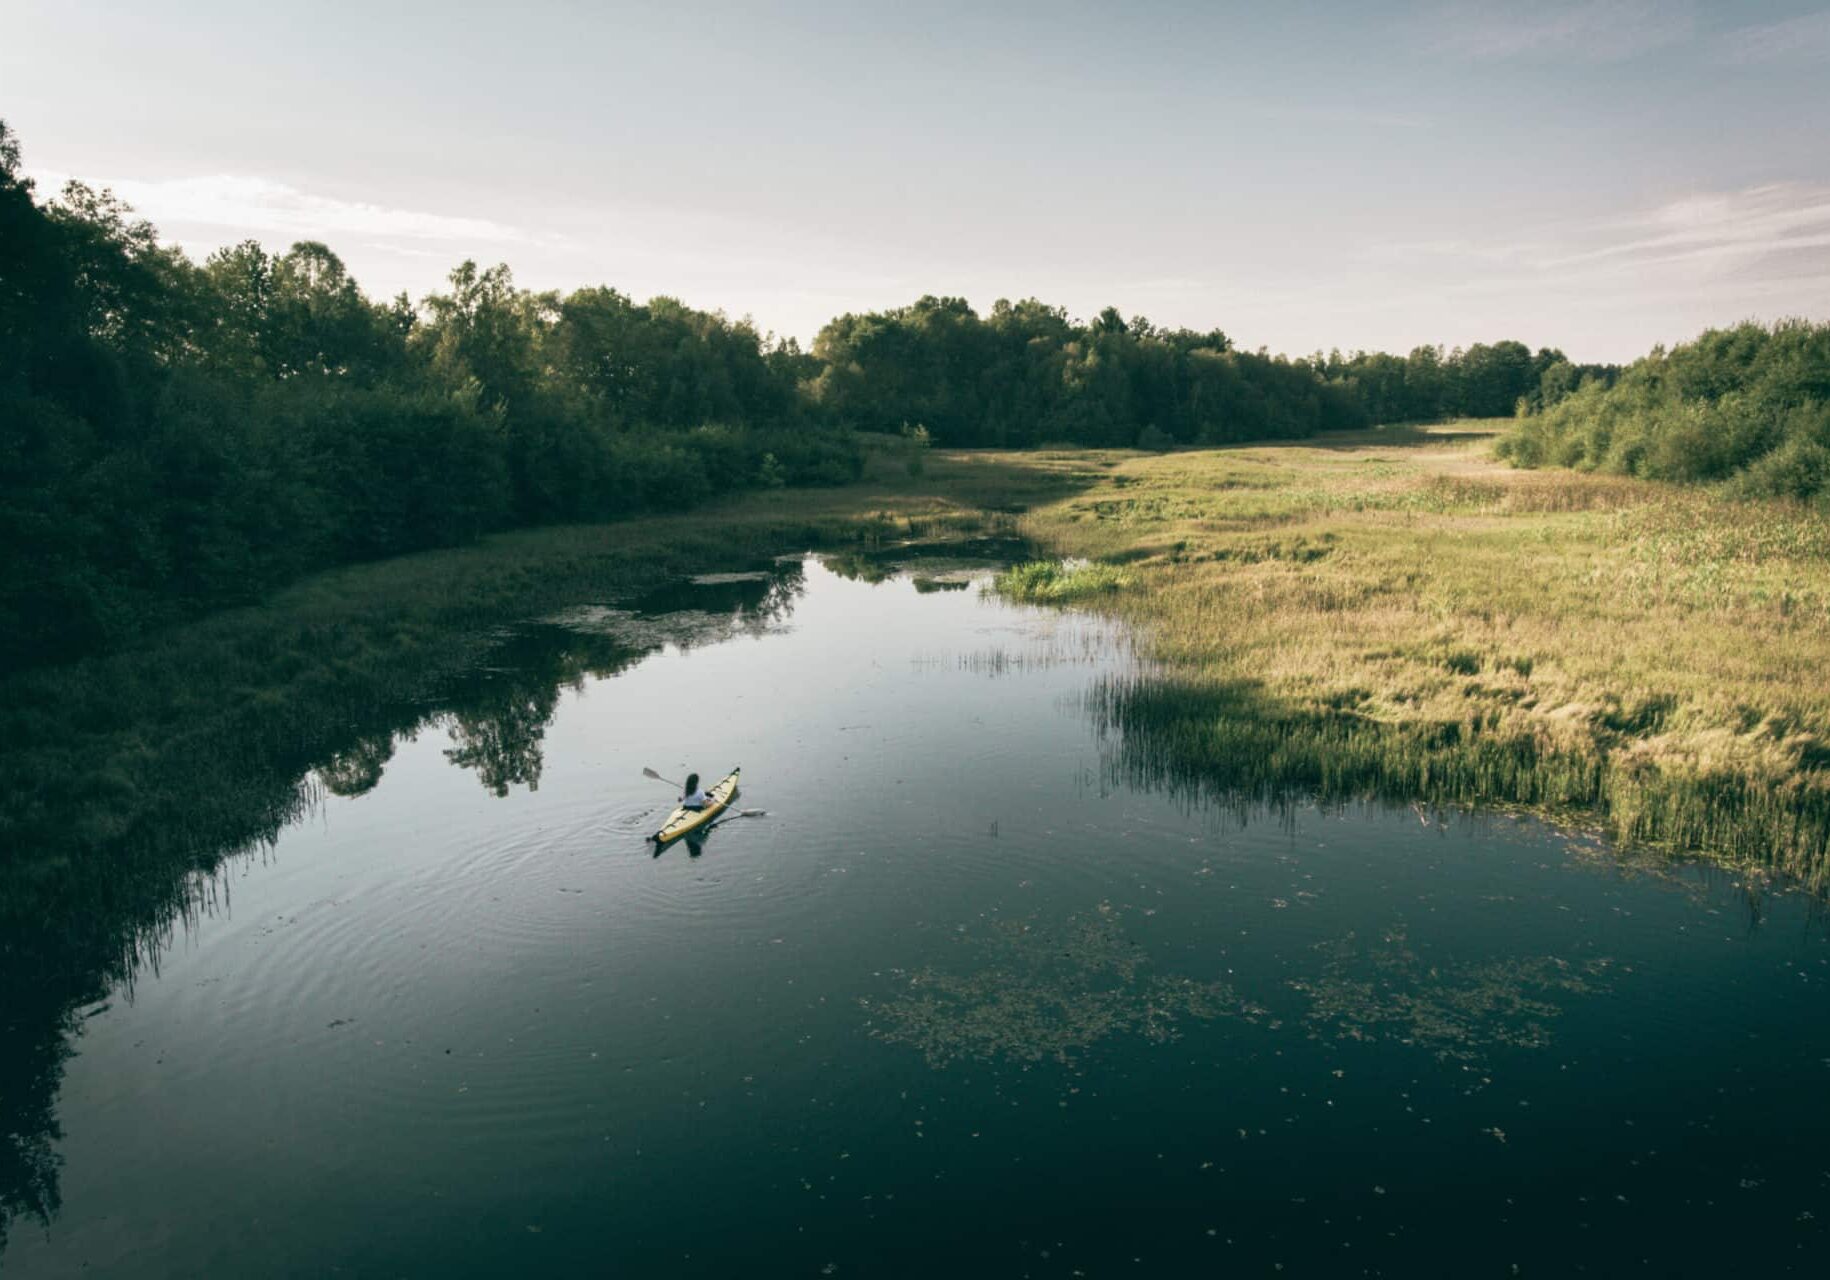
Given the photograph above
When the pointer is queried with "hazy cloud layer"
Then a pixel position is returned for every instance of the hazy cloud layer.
(1616, 30)
(1804, 39)
(1778, 227)
(1740, 229)
(1595, 31)
(260, 206)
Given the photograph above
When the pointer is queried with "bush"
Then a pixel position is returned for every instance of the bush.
(1749, 406)
(1155, 439)
(1798, 469)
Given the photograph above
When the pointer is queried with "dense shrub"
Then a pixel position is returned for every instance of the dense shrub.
(1749, 406)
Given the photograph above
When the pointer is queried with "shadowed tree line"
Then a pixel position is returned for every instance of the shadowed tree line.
(1483, 381)
(178, 437)
(1026, 374)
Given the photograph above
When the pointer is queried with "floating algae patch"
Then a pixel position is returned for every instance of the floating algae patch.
(1461, 1013)
(1032, 992)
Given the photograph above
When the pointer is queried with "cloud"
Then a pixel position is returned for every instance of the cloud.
(256, 205)
(1778, 229)
(1802, 39)
(1718, 229)
(1594, 31)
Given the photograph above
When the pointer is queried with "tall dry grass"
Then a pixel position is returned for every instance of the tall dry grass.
(1405, 613)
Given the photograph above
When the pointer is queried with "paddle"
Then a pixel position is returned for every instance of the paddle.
(730, 817)
(650, 773)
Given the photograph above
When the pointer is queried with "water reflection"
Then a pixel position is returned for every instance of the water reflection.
(500, 736)
(496, 715)
(931, 566)
(949, 921)
(356, 770)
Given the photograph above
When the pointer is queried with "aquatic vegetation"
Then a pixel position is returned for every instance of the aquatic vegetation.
(1058, 582)
(1031, 992)
(1461, 1013)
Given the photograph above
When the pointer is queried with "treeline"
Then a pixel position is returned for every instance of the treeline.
(1747, 406)
(1026, 374)
(1484, 381)
(176, 437)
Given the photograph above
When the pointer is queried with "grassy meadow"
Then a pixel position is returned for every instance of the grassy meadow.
(1399, 611)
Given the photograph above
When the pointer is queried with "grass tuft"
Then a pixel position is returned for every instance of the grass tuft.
(1058, 581)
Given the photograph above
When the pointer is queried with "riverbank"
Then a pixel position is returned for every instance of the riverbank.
(1398, 611)
(122, 777)
(1392, 611)
(126, 780)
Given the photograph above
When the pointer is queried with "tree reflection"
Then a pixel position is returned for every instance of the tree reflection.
(356, 770)
(31, 1068)
(67, 940)
(501, 740)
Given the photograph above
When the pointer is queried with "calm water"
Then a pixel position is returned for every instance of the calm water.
(954, 1003)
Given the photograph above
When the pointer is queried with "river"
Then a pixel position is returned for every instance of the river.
(949, 997)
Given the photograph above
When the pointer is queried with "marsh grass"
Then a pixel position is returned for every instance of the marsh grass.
(1400, 614)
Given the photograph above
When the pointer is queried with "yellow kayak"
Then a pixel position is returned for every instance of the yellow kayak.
(683, 821)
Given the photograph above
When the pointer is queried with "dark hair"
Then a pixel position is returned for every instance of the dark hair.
(692, 783)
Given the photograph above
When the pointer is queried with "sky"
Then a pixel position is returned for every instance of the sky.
(1597, 176)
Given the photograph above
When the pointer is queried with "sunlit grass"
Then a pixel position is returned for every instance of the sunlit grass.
(1058, 581)
(1410, 615)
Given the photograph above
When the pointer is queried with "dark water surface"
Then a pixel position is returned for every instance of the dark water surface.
(958, 1003)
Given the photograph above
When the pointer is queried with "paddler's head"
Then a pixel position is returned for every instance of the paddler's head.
(692, 783)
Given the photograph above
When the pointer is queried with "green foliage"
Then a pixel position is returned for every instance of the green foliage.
(1026, 374)
(1429, 385)
(1058, 581)
(1155, 439)
(1748, 405)
(175, 437)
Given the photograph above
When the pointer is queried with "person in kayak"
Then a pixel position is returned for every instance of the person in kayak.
(694, 799)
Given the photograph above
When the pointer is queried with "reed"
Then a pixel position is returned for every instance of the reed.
(1401, 614)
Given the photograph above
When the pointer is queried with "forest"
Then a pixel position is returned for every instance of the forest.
(178, 437)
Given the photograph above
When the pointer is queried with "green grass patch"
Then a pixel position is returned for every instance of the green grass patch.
(1058, 581)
